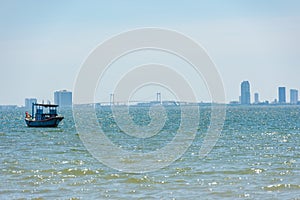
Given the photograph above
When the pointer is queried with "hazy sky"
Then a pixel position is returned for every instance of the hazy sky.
(44, 43)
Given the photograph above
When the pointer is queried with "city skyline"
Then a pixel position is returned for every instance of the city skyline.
(63, 97)
(282, 96)
(247, 93)
(43, 44)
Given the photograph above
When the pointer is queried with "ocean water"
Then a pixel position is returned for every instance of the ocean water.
(256, 157)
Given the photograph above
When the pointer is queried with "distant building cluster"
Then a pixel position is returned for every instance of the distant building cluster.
(29, 102)
(245, 97)
(63, 98)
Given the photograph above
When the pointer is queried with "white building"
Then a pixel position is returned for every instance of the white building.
(63, 98)
(293, 96)
(256, 98)
(245, 93)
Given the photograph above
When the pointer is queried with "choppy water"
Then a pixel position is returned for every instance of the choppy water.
(256, 157)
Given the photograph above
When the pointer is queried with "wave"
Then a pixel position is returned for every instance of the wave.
(281, 187)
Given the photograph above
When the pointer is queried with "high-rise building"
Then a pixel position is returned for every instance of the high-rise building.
(281, 95)
(63, 98)
(256, 98)
(293, 96)
(29, 102)
(245, 93)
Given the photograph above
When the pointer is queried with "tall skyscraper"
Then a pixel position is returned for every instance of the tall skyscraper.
(281, 95)
(29, 102)
(293, 96)
(63, 98)
(245, 93)
(256, 98)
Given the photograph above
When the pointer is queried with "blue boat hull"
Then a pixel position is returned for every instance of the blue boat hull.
(50, 122)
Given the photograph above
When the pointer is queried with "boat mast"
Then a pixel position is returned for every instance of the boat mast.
(32, 112)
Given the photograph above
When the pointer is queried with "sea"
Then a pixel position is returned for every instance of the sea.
(257, 156)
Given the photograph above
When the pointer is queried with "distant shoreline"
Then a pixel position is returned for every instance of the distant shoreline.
(12, 107)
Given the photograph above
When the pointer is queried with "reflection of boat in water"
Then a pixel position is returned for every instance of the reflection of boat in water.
(43, 115)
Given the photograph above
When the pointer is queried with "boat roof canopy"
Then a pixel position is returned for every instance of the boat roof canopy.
(45, 105)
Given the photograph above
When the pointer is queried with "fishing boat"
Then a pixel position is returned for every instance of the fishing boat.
(43, 115)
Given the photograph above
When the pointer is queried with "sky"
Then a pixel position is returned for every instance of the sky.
(43, 44)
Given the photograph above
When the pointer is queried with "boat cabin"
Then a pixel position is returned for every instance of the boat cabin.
(44, 111)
